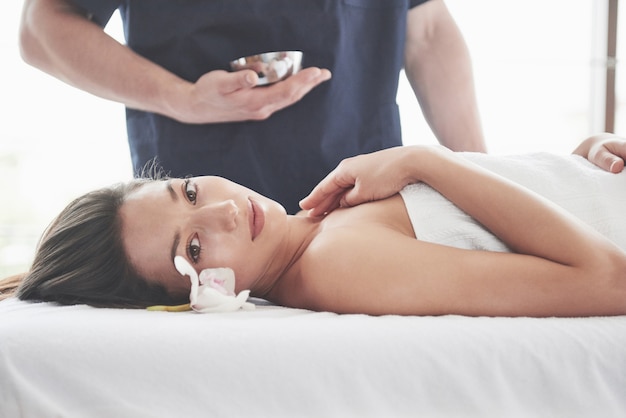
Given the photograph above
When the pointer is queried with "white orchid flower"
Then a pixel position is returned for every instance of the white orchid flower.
(213, 290)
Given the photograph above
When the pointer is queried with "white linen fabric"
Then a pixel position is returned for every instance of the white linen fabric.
(593, 195)
(78, 361)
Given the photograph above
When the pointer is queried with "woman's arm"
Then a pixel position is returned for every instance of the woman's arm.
(59, 39)
(559, 266)
(379, 272)
(379, 175)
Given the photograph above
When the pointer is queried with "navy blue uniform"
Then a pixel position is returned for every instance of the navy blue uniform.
(360, 41)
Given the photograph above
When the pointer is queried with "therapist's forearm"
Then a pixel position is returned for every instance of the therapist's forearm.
(438, 66)
(447, 99)
(58, 40)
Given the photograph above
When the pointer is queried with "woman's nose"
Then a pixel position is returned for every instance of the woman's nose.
(222, 215)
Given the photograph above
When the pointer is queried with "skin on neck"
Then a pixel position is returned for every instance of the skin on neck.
(301, 231)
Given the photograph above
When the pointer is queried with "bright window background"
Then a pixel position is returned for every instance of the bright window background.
(533, 61)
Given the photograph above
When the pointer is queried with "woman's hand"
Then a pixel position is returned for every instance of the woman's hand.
(607, 151)
(367, 177)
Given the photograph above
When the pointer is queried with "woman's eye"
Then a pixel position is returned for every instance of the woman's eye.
(193, 249)
(190, 191)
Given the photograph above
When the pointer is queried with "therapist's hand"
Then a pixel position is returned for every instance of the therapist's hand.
(606, 150)
(220, 96)
(61, 39)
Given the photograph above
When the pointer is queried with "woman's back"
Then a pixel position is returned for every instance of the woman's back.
(366, 259)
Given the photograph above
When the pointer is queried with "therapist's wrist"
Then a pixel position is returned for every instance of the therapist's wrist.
(175, 101)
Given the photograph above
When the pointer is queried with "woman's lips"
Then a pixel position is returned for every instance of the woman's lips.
(256, 218)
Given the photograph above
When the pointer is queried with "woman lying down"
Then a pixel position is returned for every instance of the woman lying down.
(413, 230)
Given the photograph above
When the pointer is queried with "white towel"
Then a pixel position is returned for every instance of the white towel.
(595, 196)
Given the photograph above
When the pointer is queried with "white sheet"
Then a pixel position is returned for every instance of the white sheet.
(593, 195)
(276, 362)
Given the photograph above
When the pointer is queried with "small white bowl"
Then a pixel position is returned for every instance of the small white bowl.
(270, 66)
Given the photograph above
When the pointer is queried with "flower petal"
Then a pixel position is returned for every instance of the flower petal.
(212, 300)
(213, 290)
(222, 279)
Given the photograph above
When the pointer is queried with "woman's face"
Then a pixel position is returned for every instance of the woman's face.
(210, 221)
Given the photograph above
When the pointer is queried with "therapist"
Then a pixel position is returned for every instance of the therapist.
(186, 110)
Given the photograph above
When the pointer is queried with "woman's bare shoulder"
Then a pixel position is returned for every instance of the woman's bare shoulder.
(336, 262)
(350, 242)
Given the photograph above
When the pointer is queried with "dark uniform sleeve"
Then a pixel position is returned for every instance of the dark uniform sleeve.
(413, 3)
(98, 11)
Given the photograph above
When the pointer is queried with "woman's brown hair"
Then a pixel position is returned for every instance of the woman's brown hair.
(81, 258)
